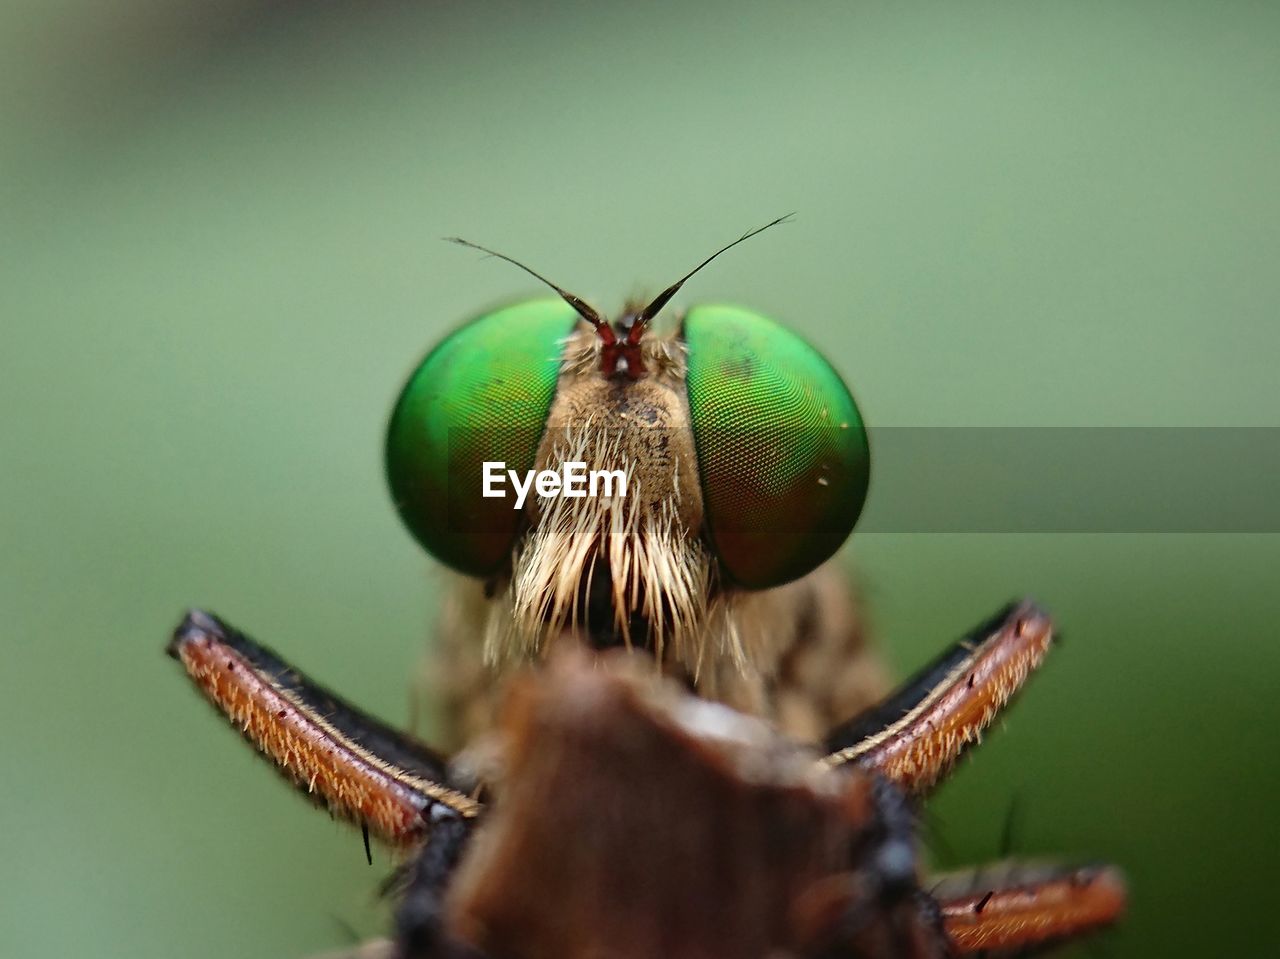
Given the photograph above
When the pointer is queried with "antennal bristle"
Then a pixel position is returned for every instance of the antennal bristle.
(582, 308)
(661, 300)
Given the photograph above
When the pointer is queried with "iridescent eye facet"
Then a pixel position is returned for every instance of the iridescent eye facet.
(782, 451)
(482, 394)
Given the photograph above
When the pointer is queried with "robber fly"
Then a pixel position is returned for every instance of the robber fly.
(745, 464)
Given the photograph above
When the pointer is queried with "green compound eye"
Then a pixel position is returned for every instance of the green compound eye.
(482, 394)
(782, 450)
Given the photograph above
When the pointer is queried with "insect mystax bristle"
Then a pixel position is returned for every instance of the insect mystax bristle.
(658, 571)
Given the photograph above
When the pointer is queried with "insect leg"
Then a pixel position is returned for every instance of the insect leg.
(916, 735)
(343, 759)
(1028, 907)
(888, 913)
(420, 916)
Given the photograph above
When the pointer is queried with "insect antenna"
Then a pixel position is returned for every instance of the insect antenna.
(584, 309)
(661, 300)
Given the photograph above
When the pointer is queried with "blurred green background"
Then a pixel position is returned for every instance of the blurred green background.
(220, 256)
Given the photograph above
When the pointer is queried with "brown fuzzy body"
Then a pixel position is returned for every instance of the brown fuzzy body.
(637, 821)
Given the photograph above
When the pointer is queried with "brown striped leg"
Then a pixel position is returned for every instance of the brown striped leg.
(1019, 908)
(916, 735)
(915, 738)
(343, 759)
